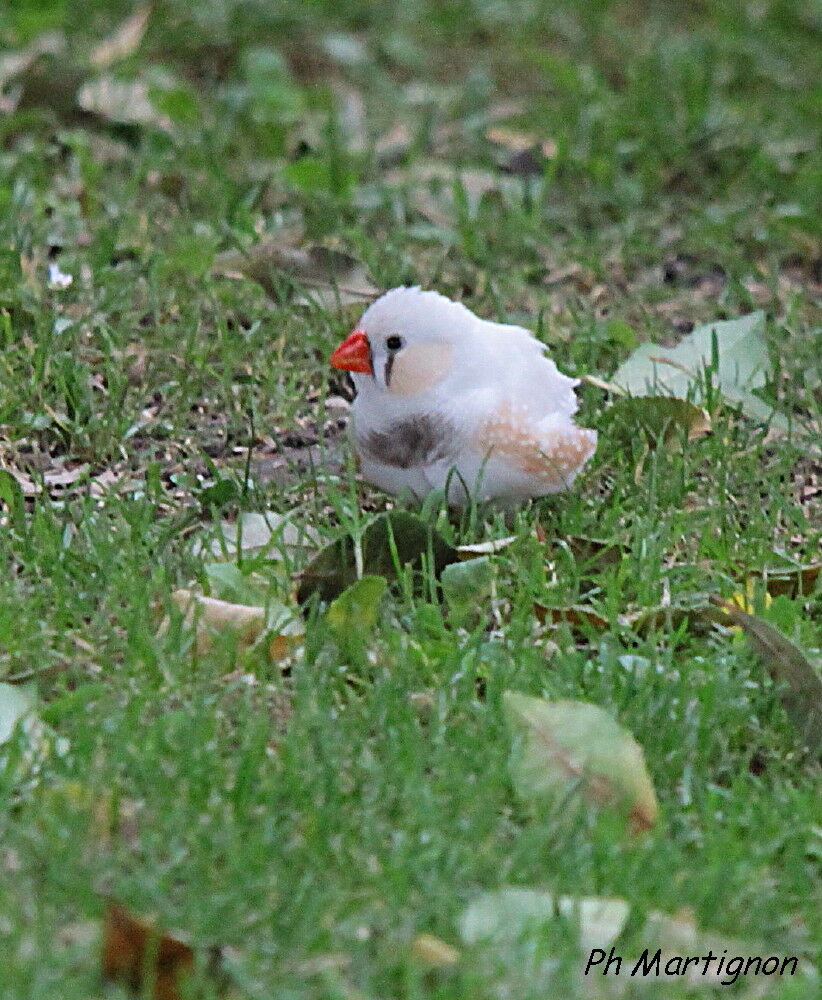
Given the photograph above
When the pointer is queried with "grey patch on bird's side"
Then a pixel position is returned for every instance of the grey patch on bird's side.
(417, 440)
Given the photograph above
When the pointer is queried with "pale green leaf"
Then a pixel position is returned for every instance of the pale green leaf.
(16, 702)
(466, 585)
(741, 366)
(508, 914)
(560, 745)
(265, 532)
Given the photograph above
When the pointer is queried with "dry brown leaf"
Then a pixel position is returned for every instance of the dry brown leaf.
(282, 645)
(790, 581)
(134, 950)
(55, 479)
(123, 41)
(211, 617)
(663, 419)
(64, 476)
(103, 482)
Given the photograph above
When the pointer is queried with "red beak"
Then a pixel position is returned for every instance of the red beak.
(353, 354)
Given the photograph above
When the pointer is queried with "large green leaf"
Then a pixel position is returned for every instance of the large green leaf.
(390, 542)
(562, 744)
(739, 365)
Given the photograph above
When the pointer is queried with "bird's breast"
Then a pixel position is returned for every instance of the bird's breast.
(410, 441)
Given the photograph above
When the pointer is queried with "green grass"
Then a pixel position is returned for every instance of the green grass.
(314, 824)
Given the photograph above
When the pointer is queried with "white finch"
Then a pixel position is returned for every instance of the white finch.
(448, 401)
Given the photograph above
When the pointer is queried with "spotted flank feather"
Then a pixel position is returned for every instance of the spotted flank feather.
(551, 451)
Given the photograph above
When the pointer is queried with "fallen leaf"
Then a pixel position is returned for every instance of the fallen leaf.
(426, 949)
(357, 607)
(792, 581)
(741, 365)
(135, 952)
(678, 935)
(507, 914)
(260, 531)
(800, 685)
(698, 617)
(124, 41)
(64, 476)
(559, 744)
(105, 481)
(397, 533)
(212, 617)
(247, 621)
(230, 582)
(663, 419)
(271, 262)
(497, 924)
(123, 101)
(16, 702)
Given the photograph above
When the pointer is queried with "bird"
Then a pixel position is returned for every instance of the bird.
(448, 401)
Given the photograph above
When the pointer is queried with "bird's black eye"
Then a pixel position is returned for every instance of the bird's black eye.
(394, 343)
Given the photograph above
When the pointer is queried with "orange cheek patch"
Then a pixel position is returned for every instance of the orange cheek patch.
(552, 457)
(420, 367)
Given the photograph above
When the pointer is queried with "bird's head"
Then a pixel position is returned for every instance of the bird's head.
(407, 343)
